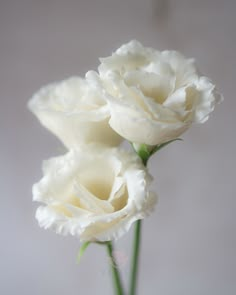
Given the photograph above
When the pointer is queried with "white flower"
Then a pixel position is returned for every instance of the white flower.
(95, 193)
(75, 112)
(153, 96)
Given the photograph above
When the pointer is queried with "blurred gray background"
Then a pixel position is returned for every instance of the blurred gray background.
(189, 242)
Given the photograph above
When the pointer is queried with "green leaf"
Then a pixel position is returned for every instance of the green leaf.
(82, 249)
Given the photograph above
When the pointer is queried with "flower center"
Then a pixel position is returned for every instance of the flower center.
(99, 188)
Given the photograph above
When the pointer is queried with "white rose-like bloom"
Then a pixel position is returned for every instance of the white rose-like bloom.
(75, 111)
(95, 193)
(153, 96)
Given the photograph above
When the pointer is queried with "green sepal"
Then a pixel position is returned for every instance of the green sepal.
(160, 146)
(82, 249)
(145, 151)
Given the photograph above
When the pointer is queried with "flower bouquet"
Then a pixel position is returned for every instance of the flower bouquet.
(98, 190)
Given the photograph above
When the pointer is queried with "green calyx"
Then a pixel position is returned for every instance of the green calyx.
(145, 151)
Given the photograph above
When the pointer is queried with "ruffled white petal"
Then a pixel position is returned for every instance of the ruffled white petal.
(75, 111)
(153, 96)
(94, 192)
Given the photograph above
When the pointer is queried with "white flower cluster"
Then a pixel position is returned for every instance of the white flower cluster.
(97, 190)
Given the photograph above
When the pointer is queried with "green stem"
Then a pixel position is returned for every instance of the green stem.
(144, 152)
(115, 272)
(144, 155)
(135, 261)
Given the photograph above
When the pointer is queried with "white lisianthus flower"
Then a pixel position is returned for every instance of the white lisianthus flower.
(95, 193)
(75, 111)
(153, 96)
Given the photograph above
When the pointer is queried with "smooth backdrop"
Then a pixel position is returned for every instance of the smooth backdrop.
(189, 242)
